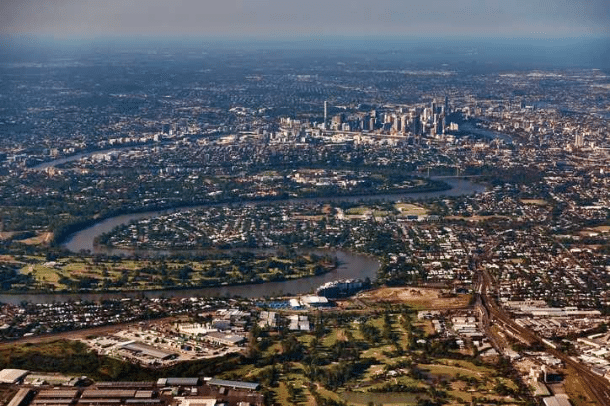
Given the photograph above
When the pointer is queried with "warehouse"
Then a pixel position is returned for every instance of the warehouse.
(109, 393)
(22, 397)
(12, 376)
(178, 382)
(252, 386)
(142, 349)
(220, 338)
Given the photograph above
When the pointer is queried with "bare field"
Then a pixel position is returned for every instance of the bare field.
(476, 218)
(594, 231)
(421, 297)
(602, 229)
(8, 258)
(40, 239)
(407, 209)
(536, 202)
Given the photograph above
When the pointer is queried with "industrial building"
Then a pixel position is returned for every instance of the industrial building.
(252, 386)
(217, 337)
(178, 382)
(12, 376)
(148, 351)
(174, 391)
(22, 398)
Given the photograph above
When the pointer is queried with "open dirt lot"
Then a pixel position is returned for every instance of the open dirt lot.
(420, 297)
(40, 239)
(536, 202)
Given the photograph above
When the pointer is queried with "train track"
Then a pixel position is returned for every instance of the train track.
(596, 386)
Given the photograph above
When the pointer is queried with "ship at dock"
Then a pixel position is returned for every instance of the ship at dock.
(342, 288)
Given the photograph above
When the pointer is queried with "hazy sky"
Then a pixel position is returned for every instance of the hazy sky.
(290, 18)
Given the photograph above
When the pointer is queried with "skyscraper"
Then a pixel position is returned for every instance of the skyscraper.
(396, 125)
(325, 113)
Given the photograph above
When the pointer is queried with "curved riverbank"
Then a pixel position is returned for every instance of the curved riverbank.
(350, 266)
(84, 239)
(64, 234)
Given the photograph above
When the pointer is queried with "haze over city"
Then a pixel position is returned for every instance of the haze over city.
(314, 18)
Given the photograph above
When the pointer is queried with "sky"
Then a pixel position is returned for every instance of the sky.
(287, 19)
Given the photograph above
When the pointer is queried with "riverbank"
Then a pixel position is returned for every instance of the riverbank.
(64, 234)
(214, 269)
(349, 266)
(82, 239)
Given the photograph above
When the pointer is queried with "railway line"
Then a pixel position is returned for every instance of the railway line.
(596, 386)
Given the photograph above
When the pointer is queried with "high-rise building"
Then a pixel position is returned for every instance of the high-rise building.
(416, 126)
(396, 125)
(404, 120)
(325, 113)
(337, 121)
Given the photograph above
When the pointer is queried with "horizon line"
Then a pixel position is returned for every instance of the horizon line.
(299, 38)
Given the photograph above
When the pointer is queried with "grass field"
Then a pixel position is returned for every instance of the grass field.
(407, 209)
(388, 377)
(77, 273)
(357, 210)
(387, 399)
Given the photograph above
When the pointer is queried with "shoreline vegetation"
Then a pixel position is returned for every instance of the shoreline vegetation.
(63, 271)
(65, 232)
(121, 275)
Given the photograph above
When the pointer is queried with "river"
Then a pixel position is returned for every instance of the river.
(84, 240)
(52, 164)
(351, 265)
